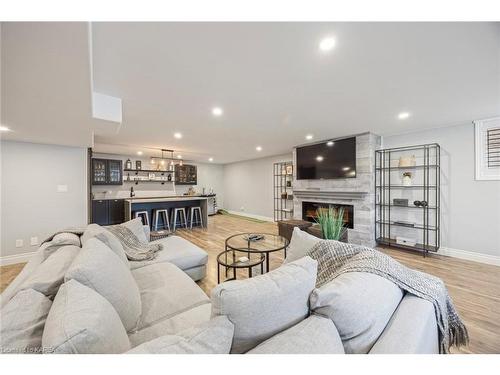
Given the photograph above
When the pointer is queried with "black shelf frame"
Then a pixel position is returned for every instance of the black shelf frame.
(283, 207)
(429, 170)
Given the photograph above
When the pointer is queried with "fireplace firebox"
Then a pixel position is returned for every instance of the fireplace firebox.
(310, 209)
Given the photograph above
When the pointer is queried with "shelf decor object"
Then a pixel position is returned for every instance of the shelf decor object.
(400, 224)
(283, 193)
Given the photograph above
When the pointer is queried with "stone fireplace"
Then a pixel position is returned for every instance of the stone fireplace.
(356, 193)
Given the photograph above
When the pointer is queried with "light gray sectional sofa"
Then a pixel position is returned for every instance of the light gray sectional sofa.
(87, 297)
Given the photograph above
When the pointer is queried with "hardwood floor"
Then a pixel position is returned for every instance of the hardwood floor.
(474, 287)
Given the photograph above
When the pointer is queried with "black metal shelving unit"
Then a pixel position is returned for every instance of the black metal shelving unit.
(283, 193)
(391, 221)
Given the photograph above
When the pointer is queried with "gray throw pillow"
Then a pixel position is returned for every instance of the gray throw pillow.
(81, 321)
(265, 305)
(22, 322)
(49, 275)
(212, 337)
(100, 269)
(360, 305)
(300, 243)
(106, 237)
(137, 229)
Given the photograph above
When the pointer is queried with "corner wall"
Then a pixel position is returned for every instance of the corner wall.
(31, 205)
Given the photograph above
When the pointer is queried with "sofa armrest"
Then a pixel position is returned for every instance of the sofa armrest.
(412, 329)
(147, 231)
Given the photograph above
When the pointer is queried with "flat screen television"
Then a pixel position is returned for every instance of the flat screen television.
(327, 160)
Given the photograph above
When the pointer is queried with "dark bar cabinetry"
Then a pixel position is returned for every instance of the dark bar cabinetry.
(107, 172)
(108, 211)
(186, 175)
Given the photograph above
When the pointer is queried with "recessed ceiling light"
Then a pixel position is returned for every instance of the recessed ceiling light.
(346, 168)
(327, 44)
(309, 137)
(403, 115)
(4, 129)
(139, 153)
(258, 148)
(217, 111)
(210, 159)
(330, 143)
(178, 135)
(179, 156)
(319, 158)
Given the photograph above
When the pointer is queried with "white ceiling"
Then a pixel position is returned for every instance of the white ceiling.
(270, 78)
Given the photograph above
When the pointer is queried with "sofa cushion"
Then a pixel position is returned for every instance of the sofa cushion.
(59, 240)
(300, 243)
(172, 325)
(178, 251)
(82, 321)
(314, 335)
(412, 329)
(360, 304)
(22, 321)
(137, 229)
(165, 291)
(99, 268)
(106, 237)
(265, 305)
(48, 276)
(212, 337)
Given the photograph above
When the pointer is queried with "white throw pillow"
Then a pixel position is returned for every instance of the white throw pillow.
(136, 228)
(360, 304)
(265, 305)
(49, 275)
(22, 322)
(100, 269)
(300, 244)
(81, 321)
(212, 337)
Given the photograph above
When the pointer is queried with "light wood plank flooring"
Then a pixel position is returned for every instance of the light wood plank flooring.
(474, 287)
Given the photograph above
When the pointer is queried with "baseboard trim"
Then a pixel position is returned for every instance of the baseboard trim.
(16, 258)
(469, 255)
(253, 216)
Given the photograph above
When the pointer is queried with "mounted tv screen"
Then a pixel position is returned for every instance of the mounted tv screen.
(328, 160)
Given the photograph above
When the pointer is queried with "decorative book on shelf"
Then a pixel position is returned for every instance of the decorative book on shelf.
(407, 197)
(283, 190)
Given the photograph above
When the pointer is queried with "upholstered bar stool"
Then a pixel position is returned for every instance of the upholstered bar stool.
(143, 215)
(163, 214)
(192, 219)
(179, 213)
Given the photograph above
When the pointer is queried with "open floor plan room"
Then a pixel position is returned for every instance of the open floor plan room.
(250, 188)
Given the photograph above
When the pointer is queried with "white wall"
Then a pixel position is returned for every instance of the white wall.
(30, 203)
(248, 185)
(470, 216)
(209, 176)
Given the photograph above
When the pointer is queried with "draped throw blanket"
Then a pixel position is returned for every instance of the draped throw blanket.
(134, 249)
(335, 258)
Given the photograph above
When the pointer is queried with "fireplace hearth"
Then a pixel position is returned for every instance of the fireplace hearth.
(310, 209)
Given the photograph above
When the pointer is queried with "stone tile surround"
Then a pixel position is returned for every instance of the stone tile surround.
(359, 191)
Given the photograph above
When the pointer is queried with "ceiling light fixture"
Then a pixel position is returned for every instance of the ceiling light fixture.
(139, 153)
(403, 115)
(330, 143)
(327, 44)
(217, 111)
(210, 159)
(179, 156)
(177, 135)
(319, 158)
(4, 129)
(258, 148)
(309, 137)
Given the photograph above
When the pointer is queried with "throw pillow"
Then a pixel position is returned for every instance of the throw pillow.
(22, 323)
(97, 267)
(300, 243)
(212, 337)
(137, 229)
(108, 238)
(49, 275)
(360, 305)
(81, 321)
(265, 305)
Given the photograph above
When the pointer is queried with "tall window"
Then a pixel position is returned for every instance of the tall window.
(487, 149)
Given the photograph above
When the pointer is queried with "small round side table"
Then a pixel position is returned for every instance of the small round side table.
(234, 264)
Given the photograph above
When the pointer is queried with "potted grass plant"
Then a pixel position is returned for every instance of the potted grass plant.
(330, 224)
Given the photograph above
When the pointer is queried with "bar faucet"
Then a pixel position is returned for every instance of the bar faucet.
(132, 193)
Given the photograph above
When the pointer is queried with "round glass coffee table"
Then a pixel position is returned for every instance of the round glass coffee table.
(268, 243)
(228, 260)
